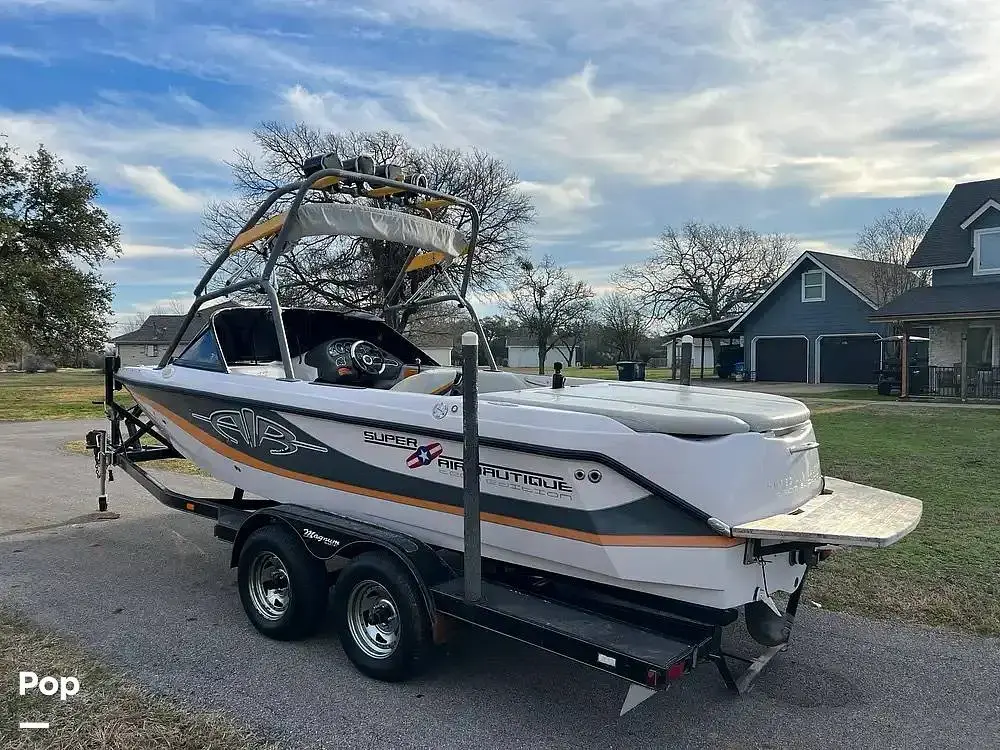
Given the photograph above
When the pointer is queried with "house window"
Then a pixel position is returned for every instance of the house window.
(979, 347)
(152, 350)
(813, 286)
(987, 251)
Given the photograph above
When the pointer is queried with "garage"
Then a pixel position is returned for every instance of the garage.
(781, 359)
(848, 359)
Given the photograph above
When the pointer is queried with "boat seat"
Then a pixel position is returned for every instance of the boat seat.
(439, 380)
(261, 370)
(276, 370)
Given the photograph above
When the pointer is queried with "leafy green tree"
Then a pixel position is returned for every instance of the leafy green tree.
(53, 237)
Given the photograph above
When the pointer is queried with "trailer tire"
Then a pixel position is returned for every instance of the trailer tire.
(271, 556)
(381, 618)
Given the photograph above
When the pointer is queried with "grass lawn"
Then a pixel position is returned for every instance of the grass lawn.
(109, 712)
(180, 465)
(854, 394)
(947, 572)
(66, 394)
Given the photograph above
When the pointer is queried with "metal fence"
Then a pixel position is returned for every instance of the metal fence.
(946, 382)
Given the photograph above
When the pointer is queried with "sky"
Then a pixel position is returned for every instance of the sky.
(808, 117)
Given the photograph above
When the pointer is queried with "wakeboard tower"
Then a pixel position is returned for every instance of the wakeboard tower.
(643, 500)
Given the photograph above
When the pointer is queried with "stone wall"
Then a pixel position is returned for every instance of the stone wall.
(945, 347)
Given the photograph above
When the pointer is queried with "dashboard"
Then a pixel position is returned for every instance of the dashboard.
(347, 360)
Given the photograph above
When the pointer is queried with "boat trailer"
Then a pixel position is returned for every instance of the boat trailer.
(648, 641)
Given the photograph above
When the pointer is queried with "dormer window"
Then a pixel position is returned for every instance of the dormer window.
(986, 256)
(814, 286)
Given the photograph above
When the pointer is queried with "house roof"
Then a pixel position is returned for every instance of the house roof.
(714, 328)
(856, 274)
(946, 242)
(942, 302)
(432, 340)
(161, 329)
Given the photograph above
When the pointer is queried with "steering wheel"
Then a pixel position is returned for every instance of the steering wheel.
(367, 358)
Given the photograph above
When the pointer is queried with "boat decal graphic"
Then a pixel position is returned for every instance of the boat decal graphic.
(390, 440)
(244, 426)
(532, 482)
(424, 455)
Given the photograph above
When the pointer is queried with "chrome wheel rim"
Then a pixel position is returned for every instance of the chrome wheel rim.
(373, 619)
(269, 586)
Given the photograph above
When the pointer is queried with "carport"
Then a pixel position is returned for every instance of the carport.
(713, 331)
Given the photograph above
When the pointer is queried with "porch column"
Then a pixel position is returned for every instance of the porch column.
(904, 362)
(702, 358)
(964, 366)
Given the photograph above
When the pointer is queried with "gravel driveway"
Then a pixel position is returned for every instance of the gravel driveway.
(153, 594)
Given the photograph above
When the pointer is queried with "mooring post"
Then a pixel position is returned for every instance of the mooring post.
(687, 350)
(473, 575)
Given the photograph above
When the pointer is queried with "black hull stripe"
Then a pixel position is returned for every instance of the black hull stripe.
(648, 516)
(693, 512)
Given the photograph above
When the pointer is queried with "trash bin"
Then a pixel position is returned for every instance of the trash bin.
(631, 371)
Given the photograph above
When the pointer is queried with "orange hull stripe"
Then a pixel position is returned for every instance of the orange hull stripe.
(606, 540)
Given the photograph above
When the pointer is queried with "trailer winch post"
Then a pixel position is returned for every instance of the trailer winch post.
(473, 572)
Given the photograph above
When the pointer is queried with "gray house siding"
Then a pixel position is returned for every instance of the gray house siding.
(783, 313)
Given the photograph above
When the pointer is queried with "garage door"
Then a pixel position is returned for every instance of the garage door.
(848, 359)
(781, 360)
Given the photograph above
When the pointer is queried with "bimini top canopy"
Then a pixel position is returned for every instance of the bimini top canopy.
(441, 241)
(406, 212)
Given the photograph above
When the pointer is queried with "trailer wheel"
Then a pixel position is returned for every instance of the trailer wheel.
(283, 588)
(381, 618)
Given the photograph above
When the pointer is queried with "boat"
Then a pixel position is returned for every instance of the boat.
(709, 497)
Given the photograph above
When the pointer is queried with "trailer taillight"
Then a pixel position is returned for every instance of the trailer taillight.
(676, 671)
(652, 678)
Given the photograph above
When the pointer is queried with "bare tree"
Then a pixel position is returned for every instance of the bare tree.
(890, 240)
(705, 270)
(547, 303)
(625, 324)
(355, 272)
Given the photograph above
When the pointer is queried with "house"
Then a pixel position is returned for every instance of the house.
(522, 352)
(960, 310)
(438, 346)
(813, 323)
(146, 344)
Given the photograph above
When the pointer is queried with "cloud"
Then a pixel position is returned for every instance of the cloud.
(74, 7)
(134, 250)
(644, 245)
(20, 53)
(567, 196)
(833, 103)
(152, 182)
